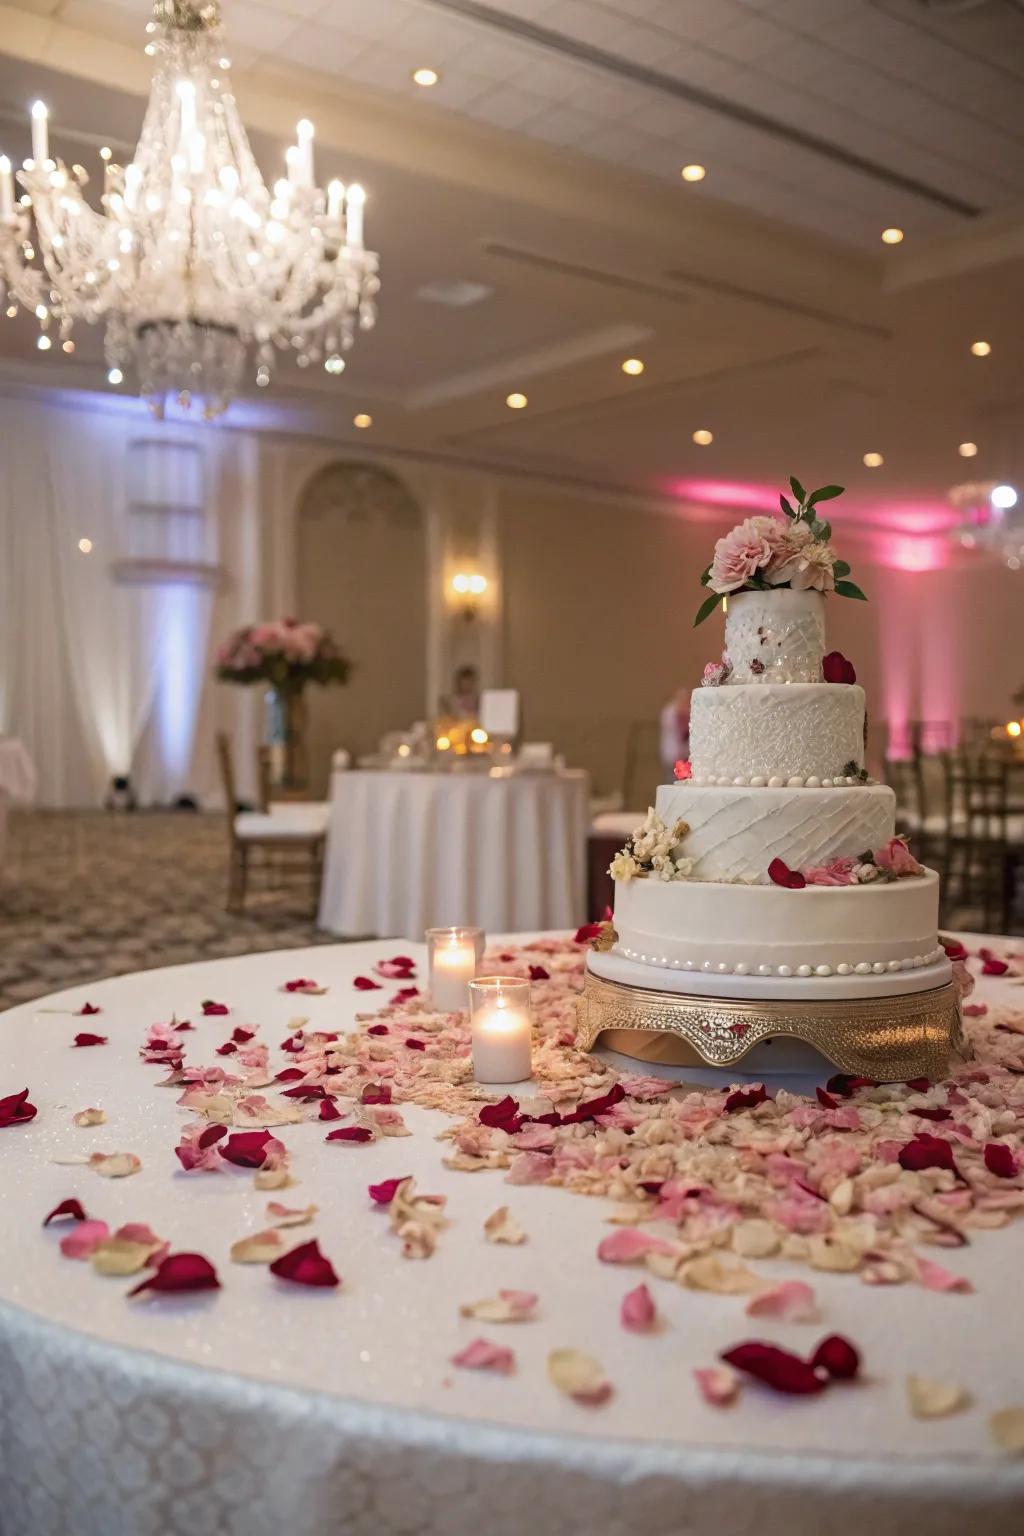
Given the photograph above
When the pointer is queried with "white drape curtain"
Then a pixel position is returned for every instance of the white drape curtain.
(99, 677)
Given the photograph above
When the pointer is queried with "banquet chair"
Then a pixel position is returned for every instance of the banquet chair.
(287, 838)
(995, 804)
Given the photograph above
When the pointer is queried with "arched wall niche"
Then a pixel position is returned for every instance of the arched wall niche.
(361, 569)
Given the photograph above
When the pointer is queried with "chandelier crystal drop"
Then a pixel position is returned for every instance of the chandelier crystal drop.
(195, 267)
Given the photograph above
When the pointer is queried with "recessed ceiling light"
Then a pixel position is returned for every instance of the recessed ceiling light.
(892, 236)
(633, 366)
(967, 450)
(425, 76)
(516, 401)
(85, 545)
(873, 460)
(693, 173)
(702, 437)
(981, 348)
(362, 421)
(1004, 497)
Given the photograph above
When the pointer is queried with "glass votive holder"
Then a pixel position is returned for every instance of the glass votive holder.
(500, 1026)
(453, 958)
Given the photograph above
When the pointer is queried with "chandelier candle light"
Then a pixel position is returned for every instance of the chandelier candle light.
(195, 266)
(453, 958)
(500, 1028)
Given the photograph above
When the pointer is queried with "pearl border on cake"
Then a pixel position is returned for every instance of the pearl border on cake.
(799, 972)
(759, 781)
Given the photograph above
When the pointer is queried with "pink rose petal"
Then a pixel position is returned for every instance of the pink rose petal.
(717, 1384)
(628, 1244)
(791, 1301)
(482, 1355)
(637, 1311)
(83, 1238)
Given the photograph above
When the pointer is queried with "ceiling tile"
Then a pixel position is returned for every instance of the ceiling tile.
(257, 26)
(507, 107)
(324, 49)
(376, 21)
(562, 125)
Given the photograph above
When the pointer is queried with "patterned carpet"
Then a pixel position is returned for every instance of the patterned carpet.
(85, 895)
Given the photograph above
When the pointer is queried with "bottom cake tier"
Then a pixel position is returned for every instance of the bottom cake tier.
(769, 930)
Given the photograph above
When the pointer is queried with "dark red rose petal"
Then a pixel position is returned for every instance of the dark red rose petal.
(591, 1108)
(378, 1029)
(384, 1192)
(927, 1151)
(85, 1038)
(366, 984)
(838, 1357)
(777, 1368)
(87, 1010)
(306, 1093)
(846, 1086)
(954, 949)
(212, 1135)
(780, 873)
(242, 1036)
(538, 973)
(72, 1208)
(289, 1075)
(919, 1084)
(1000, 1160)
(329, 1110)
(227, 1049)
(503, 1116)
(246, 1149)
(350, 1133)
(375, 1093)
(179, 1029)
(300, 984)
(212, 1009)
(16, 1110)
(836, 669)
(826, 1099)
(404, 995)
(415, 1045)
(746, 1098)
(993, 967)
(181, 1272)
(651, 1186)
(933, 1114)
(305, 1265)
(586, 934)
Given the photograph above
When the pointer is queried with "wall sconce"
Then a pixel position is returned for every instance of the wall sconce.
(469, 588)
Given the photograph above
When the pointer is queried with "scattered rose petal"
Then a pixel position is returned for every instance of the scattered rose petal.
(260, 1248)
(86, 1117)
(290, 1216)
(935, 1278)
(120, 1255)
(990, 966)
(538, 973)
(780, 873)
(353, 1133)
(87, 1010)
(375, 1093)
(482, 1355)
(838, 1357)
(975, 1010)
(746, 1098)
(1007, 1430)
(366, 984)
(930, 1399)
(214, 1010)
(329, 1110)
(708, 1273)
(305, 1265)
(717, 1384)
(398, 969)
(180, 1272)
(926, 1151)
(791, 1301)
(629, 1245)
(115, 1165)
(777, 1368)
(637, 1311)
(413, 1044)
(846, 1086)
(500, 1227)
(503, 1116)
(16, 1110)
(84, 1038)
(999, 1159)
(247, 1149)
(378, 1029)
(579, 1376)
(83, 1238)
(384, 1192)
(70, 1208)
(585, 934)
(506, 1307)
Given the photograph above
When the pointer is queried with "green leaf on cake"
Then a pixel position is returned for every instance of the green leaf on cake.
(707, 607)
(797, 489)
(705, 576)
(787, 506)
(822, 531)
(826, 493)
(841, 568)
(850, 589)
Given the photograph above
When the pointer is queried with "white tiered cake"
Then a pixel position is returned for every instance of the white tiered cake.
(771, 869)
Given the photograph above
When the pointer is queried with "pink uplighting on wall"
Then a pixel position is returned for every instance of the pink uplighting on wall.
(901, 552)
(742, 495)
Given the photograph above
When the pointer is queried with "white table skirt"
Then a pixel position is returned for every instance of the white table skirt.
(17, 770)
(262, 1409)
(411, 851)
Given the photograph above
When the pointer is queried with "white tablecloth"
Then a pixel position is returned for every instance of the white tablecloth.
(264, 1410)
(411, 851)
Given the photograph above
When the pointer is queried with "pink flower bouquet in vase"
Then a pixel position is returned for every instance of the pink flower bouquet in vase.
(287, 655)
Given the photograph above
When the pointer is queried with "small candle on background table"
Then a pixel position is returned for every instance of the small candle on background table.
(453, 956)
(500, 1024)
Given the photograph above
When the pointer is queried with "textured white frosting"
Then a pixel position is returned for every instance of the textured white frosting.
(779, 730)
(775, 637)
(735, 833)
(768, 930)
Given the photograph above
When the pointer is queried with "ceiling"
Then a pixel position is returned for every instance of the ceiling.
(544, 168)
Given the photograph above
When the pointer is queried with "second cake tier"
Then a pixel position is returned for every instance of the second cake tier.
(776, 731)
(736, 833)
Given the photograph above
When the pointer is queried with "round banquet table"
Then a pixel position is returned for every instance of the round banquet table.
(262, 1409)
(409, 850)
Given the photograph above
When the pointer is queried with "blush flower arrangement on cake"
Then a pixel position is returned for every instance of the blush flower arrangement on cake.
(794, 551)
(892, 861)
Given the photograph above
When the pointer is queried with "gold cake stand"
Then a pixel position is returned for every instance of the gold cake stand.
(890, 1039)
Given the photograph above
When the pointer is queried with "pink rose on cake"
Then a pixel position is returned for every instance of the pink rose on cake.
(802, 562)
(746, 549)
(835, 872)
(896, 859)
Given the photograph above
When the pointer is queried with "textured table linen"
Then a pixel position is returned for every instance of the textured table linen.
(268, 1410)
(410, 851)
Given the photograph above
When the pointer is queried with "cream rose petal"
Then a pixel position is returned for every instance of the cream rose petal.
(1007, 1430)
(755, 1239)
(260, 1248)
(120, 1256)
(288, 1216)
(708, 1273)
(501, 1227)
(579, 1376)
(86, 1117)
(115, 1165)
(506, 1307)
(273, 1178)
(929, 1399)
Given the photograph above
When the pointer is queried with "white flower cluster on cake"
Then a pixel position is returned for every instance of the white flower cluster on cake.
(653, 850)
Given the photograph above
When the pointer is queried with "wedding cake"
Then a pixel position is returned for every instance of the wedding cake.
(771, 868)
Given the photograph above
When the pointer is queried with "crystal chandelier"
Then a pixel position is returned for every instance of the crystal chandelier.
(990, 519)
(195, 267)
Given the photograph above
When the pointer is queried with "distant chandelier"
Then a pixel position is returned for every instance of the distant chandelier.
(990, 519)
(194, 266)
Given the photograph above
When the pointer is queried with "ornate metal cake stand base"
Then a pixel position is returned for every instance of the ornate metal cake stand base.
(891, 1039)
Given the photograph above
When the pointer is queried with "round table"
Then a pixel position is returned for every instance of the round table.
(263, 1409)
(410, 850)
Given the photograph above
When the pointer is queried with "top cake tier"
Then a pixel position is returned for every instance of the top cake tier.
(775, 637)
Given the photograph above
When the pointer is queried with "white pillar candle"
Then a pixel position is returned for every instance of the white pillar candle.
(40, 134)
(500, 1026)
(304, 136)
(355, 200)
(453, 956)
(6, 188)
(335, 200)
